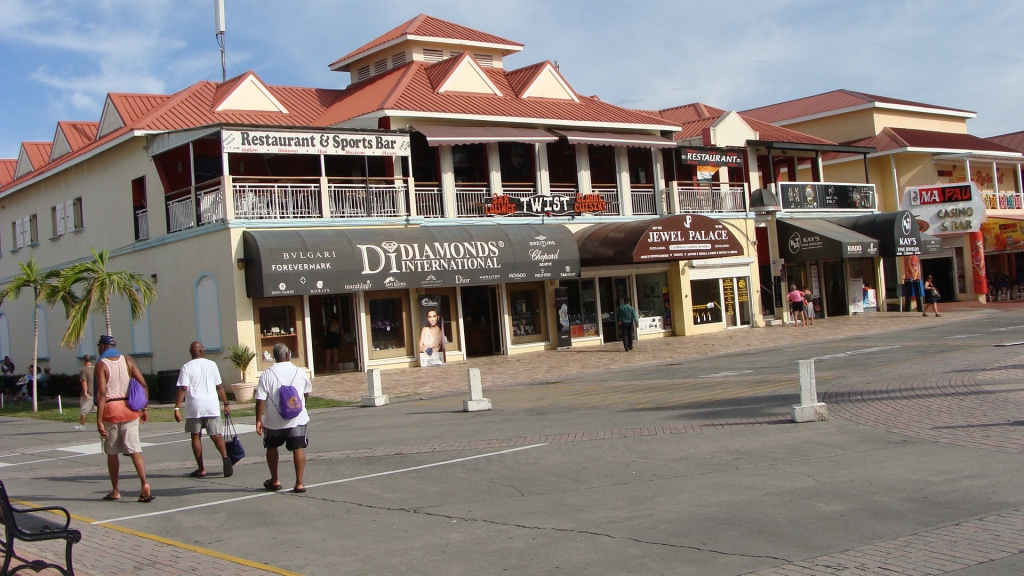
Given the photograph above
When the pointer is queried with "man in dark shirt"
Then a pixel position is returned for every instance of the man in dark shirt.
(626, 317)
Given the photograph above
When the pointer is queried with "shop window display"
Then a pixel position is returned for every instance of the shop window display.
(526, 303)
(706, 296)
(582, 308)
(653, 302)
(279, 322)
(388, 326)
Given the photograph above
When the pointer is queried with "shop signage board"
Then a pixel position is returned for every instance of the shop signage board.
(562, 313)
(897, 232)
(712, 157)
(329, 143)
(809, 240)
(686, 237)
(432, 341)
(544, 205)
(946, 209)
(826, 196)
(1002, 235)
(332, 261)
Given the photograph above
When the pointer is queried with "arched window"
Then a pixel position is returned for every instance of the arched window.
(44, 340)
(142, 342)
(207, 300)
(5, 336)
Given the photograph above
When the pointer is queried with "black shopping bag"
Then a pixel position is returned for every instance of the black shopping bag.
(231, 442)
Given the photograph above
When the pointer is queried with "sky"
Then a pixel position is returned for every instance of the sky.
(58, 59)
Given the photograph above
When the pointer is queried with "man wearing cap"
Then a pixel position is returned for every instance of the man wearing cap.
(272, 426)
(117, 424)
(199, 386)
(85, 397)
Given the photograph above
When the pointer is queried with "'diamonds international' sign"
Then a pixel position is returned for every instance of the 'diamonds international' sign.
(291, 262)
(339, 143)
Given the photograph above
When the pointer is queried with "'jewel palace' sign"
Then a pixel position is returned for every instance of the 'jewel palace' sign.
(327, 143)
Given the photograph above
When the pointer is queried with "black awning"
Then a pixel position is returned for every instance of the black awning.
(764, 200)
(811, 239)
(680, 237)
(897, 232)
(329, 261)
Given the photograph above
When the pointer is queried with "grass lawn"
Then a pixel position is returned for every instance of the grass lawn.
(48, 410)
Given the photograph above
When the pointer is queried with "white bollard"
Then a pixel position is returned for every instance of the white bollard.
(476, 402)
(809, 409)
(60, 409)
(374, 396)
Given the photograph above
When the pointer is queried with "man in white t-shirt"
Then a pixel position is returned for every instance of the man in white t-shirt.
(199, 386)
(277, 431)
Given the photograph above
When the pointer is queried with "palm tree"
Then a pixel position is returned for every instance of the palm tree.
(43, 286)
(95, 285)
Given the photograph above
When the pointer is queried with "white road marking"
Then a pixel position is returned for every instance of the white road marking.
(854, 352)
(721, 374)
(1007, 328)
(961, 336)
(1004, 344)
(308, 486)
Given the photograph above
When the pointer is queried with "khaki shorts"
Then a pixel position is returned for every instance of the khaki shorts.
(211, 423)
(85, 405)
(122, 438)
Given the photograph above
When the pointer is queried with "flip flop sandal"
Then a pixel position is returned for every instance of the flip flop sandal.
(146, 499)
(110, 498)
(229, 467)
(299, 490)
(196, 474)
(270, 487)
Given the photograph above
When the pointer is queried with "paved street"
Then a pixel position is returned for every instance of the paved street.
(684, 464)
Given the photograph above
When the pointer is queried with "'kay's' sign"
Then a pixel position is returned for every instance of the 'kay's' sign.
(331, 143)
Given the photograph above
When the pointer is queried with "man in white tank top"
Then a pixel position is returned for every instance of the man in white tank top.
(117, 425)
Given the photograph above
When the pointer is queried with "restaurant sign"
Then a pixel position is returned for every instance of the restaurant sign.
(826, 196)
(328, 143)
(945, 208)
(543, 205)
(297, 262)
(712, 157)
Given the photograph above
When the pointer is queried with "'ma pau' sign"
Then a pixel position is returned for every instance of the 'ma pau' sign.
(338, 143)
(946, 208)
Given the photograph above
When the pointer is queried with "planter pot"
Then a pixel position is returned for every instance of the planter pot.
(243, 391)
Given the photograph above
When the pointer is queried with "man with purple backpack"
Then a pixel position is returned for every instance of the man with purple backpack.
(285, 387)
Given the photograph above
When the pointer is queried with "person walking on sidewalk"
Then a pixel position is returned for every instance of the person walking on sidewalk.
(796, 304)
(117, 424)
(272, 425)
(627, 319)
(199, 386)
(931, 297)
(88, 392)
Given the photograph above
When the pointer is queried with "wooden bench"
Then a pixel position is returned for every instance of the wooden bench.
(28, 525)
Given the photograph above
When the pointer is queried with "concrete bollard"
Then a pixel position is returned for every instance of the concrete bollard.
(476, 402)
(374, 396)
(809, 409)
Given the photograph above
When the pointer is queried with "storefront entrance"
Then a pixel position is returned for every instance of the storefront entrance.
(835, 288)
(481, 320)
(941, 271)
(340, 336)
(614, 292)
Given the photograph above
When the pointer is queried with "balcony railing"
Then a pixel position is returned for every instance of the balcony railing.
(374, 198)
(469, 199)
(610, 194)
(181, 210)
(287, 198)
(142, 224)
(713, 197)
(1003, 200)
(181, 214)
(644, 200)
(429, 200)
(211, 202)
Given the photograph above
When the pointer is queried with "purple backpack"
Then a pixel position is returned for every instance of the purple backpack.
(136, 399)
(289, 403)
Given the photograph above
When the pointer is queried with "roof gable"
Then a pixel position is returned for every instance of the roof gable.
(246, 93)
(840, 102)
(60, 145)
(427, 28)
(541, 80)
(730, 130)
(31, 157)
(461, 74)
(110, 119)
(7, 168)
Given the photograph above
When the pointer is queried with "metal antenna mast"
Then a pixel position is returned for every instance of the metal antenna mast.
(218, 24)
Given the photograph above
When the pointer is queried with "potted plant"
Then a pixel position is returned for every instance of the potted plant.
(241, 357)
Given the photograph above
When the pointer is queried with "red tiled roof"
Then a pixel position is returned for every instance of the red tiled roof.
(897, 138)
(429, 26)
(7, 168)
(695, 118)
(1013, 140)
(409, 88)
(38, 153)
(78, 134)
(828, 102)
(131, 107)
(440, 72)
(521, 78)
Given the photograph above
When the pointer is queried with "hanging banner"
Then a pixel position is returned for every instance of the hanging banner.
(977, 242)
(330, 143)
(562, 313)
(826, 196)
(1003, 235)
(432, 340)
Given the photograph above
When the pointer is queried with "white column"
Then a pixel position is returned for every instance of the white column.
(540, 152)
(821, 169)
(583, 168)
(409, 182)
(227, 192)
(192, 175)
(325, 192)
(967, 169)
(308, 340)
(660, 192)
(447, 180)
(494, 168)
(625, 194)
(1020, 192)
(995, 179)
(895, 182)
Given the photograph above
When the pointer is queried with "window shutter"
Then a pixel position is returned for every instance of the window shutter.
(19, 233)
(398, 59)
(380, 66)
(70, 220)
(59, 219)
(31, 234)
(363, 73)
(484, 60)
(432, 55)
